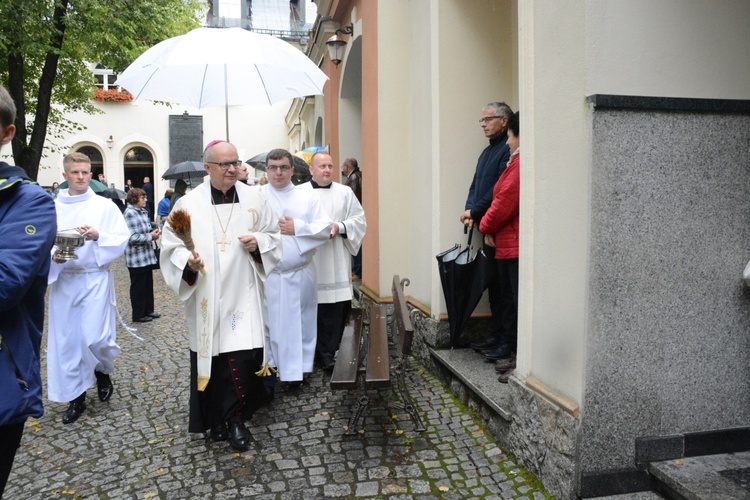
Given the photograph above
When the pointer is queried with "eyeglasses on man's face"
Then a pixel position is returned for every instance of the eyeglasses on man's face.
(224, 165)
(273, 168)
(488, 119)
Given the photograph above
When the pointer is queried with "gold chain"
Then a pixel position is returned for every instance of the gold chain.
(224, 231)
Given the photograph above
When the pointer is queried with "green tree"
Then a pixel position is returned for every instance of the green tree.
(46, 47)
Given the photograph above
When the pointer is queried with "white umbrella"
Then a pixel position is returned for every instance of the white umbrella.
(222, 67)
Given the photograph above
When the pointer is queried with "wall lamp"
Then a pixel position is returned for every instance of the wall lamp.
(110, 142)
(337, 45)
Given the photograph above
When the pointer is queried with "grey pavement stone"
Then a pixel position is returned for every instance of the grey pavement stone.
(137, 444)
(366, 489)
(337, 490)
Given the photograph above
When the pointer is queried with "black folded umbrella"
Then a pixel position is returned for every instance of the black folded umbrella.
(464, 279)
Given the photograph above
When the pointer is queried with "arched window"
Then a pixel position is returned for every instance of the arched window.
(97, 161)
(138, 155)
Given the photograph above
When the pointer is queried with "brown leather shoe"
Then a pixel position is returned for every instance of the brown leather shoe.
(503, 379)
(503, 365)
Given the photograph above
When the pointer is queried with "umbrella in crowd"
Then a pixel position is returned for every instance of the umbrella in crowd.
(301, 168)
(116, 195)
(307, 153)
(464, 279)
(95, 185)
(221, 67)
(113, 193)
(185, 170)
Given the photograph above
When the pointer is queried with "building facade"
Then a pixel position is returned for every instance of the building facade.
(635, 120)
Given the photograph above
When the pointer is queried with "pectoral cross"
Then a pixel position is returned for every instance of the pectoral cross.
(223, 242)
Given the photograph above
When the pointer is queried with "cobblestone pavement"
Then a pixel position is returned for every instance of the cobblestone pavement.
(137, 444)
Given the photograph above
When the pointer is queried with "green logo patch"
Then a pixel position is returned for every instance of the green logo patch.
(30, 229)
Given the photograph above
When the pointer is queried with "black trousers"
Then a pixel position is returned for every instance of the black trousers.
(141, 291)
(10, 439)
(233, 393)
(507, 278)
(332, 319)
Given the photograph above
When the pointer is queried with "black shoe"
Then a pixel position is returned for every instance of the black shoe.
(104, 386)
(503, 352)
(488, 344)
(269, 384)
(327, 362)
(219, 433)
(294, 385)
(270, 391)
(75, 409)
(239, 436)
(144, 319)
(154, 315)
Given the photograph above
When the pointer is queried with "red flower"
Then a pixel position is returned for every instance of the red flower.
(112, 95)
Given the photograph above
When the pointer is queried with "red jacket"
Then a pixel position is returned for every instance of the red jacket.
(502, 217)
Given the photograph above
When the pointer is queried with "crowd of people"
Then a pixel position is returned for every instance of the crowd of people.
(239, 257)
(265, 274)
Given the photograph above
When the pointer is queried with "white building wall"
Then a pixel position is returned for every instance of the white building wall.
(554, 194)
(669, 48)
(252, 129)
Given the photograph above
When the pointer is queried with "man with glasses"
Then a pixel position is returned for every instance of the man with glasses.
(81, 343)
(237, 244)
(290, 297)
(500, 344)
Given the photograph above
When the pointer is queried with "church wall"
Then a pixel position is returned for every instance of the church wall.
(554, 196)
(669, 48)
(395, 145)
(627, 264)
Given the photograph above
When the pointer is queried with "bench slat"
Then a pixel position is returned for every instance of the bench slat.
(401, 313)
(347, 361)
(378, 369)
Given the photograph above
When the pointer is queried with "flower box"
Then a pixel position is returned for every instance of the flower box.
(112, 95)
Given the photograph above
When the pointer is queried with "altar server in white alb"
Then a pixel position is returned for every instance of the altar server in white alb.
(237, 244)
(81, 343)
(291, 297)
(333, 260)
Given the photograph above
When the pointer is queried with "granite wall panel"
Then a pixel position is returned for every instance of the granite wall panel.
(668, 341)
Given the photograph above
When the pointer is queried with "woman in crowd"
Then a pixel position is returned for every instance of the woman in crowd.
(180, 188)
(140, 257)
(500, 227)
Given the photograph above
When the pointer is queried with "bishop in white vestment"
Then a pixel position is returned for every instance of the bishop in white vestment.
(290, 291)
(237, 243)
(81, 342)
(333, 260)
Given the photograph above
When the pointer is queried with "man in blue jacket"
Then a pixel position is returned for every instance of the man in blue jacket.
(492, 163)
(27, 232)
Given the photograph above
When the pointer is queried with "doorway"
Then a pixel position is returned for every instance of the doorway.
(138, 164)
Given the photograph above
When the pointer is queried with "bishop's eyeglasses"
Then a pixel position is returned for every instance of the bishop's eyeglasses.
(224, 165)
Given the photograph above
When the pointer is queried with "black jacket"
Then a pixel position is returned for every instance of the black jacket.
(490, 166)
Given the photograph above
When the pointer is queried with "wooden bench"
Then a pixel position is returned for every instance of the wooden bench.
(363, 360)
